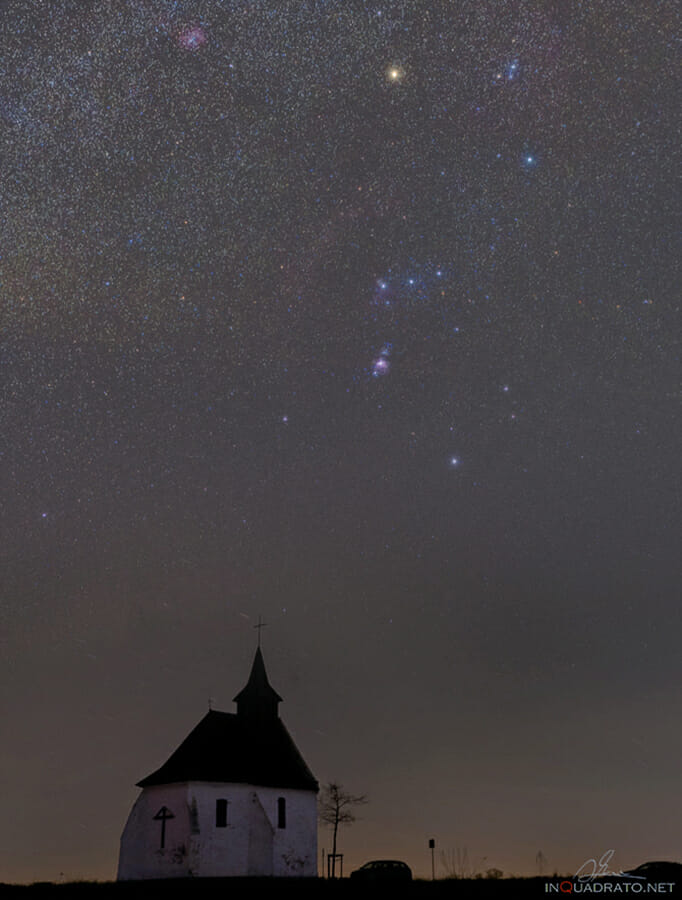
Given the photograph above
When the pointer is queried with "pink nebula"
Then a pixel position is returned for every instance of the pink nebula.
(192, 37)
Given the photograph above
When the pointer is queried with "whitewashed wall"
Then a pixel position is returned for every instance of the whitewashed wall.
(250, 844)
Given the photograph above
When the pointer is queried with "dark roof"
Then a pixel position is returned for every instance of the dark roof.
(226, 747)
(251, 747)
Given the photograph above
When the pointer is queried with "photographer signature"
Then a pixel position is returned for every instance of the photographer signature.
(593, 868)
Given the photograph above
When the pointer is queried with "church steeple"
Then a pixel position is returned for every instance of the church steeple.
(258, 700)
(241, 771)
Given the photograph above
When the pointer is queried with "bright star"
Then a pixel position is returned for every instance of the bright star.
(529, 160)
(380, 366)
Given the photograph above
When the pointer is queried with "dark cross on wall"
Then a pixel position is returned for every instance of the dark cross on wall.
(163, 814)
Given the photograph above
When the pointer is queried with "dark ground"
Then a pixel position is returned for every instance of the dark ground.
(209, 887)
(270, 887)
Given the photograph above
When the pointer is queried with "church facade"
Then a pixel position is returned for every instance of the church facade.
(235, 799)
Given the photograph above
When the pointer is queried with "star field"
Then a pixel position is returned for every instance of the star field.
(362, 316)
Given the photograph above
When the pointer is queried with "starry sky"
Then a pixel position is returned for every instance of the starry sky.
(362, 317)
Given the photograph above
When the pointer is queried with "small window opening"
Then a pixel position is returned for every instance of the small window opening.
(281, 812)
(221, 813)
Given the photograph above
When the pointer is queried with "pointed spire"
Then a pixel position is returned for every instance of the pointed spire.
(258, 700)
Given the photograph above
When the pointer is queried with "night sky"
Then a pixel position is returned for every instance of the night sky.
(362, 317)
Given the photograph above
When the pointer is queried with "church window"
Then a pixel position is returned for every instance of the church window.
(281, 812)
(221, 813)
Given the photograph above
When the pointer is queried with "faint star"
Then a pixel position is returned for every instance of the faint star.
(512, 70)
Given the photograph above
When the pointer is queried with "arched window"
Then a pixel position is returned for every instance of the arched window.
(281, 812)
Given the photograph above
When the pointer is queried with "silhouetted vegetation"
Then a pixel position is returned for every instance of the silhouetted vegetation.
(335, 808)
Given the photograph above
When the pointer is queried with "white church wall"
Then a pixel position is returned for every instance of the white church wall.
(295, 850)
(141, 853)
(225, 851)
(250, 843)
(222, 851)
(295, 845)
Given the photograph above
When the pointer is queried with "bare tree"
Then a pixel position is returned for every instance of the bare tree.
(457, 865)
(540, 862)
(335, 810)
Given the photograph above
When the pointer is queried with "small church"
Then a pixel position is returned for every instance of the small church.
(235, 799)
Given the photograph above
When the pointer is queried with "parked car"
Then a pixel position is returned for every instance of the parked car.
(383, 870)
(657, 871)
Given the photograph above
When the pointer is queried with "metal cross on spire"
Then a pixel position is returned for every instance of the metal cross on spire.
(260, 625)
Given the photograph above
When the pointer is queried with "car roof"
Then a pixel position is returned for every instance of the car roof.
(384, 862)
